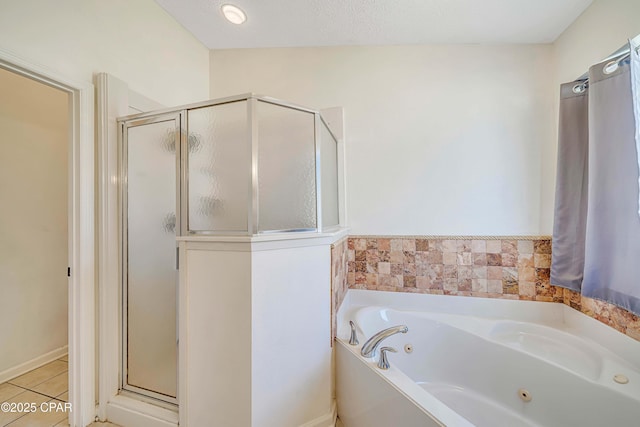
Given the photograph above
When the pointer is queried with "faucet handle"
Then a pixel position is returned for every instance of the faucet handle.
(383, 362)
(353, 340)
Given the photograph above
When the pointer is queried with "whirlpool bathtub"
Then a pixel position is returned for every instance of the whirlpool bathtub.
(481, 362)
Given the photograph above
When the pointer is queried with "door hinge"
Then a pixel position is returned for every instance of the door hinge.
(177, 258)
(68, 271)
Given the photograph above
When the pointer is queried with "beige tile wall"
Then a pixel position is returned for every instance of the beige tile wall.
(513, 268)
(609, 314)
(338, 279)
(516, 267)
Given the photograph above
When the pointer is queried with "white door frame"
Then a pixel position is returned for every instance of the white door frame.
(81, 233)
(115, 99)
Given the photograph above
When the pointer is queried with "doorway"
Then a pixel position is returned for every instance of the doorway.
(34, 245)
(74, 200)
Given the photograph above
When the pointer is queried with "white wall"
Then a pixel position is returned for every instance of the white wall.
(33, 220)
(291, 336)
(256, 337)
(215, 337)
(136, 41)
(599, 31)
(440, 139)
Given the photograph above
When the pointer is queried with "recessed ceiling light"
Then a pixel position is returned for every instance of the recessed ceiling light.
(234, 14)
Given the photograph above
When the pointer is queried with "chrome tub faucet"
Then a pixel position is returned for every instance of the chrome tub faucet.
(369, 348)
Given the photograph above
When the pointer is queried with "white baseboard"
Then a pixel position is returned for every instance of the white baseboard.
(129, 412)
(23, 368)
(326, 420)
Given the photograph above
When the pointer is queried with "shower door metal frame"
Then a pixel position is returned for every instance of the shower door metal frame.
(254, 141)
(254, 199)
(320, 121)
(124, 123)
(180, 116)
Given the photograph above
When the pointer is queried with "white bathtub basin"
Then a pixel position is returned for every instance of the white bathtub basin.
(467, 369)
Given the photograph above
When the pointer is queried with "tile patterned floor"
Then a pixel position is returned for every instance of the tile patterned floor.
(49, 383)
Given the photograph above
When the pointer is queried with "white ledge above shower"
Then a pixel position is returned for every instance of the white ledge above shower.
(267, 241)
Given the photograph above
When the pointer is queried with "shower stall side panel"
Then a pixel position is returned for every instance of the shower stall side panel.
(215, 334)
(291, 330)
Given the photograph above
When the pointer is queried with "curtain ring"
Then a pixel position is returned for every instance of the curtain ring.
(579, 88)
(611, 67)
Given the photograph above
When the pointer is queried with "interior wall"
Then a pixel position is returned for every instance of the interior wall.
(33, 219)
(136, 41)
(439, 139)
(601, 29)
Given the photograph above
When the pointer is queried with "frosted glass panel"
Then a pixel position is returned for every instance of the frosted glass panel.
(286, 168)
(329, 173)
(219, 168)
(151, 257)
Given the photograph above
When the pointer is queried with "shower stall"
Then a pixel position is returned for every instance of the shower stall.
(240, 166)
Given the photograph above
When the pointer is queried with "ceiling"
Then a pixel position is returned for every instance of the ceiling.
(290, 23)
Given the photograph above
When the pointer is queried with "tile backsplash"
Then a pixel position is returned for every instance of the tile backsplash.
(609, 314)
(338, 279)
(513, 267)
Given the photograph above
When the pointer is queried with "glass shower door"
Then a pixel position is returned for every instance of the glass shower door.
(150, 224)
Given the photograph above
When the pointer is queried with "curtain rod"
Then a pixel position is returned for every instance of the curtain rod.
(623, 51)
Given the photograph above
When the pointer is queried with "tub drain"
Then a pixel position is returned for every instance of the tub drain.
(524, 395)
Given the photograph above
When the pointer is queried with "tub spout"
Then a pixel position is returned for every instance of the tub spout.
(369, 348)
